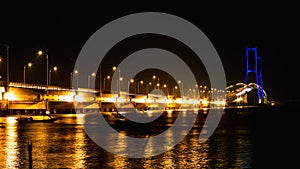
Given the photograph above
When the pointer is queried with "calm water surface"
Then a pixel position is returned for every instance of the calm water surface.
(240, 141)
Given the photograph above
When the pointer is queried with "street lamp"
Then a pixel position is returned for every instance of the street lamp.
(24, 73)
(50, 71)
(104, 83)
(154, 77)
(175, 90)
(120, 80)
(148, 87)
(166, 89)
(142, 82)
(180, 82)
(71, 78)
(7, 72)
(131, 81)
(89, 79)
(40, 53)
(7, 62)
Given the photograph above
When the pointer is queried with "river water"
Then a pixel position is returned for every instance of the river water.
(245, 138)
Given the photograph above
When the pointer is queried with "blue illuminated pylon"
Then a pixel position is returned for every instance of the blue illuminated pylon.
(258, 72)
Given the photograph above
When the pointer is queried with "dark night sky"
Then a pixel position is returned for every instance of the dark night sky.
(61, 30)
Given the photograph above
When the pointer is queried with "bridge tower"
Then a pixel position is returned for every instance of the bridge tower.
(256, 68)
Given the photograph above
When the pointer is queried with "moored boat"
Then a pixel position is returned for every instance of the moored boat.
(33, 119)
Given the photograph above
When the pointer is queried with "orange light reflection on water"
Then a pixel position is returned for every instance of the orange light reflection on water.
(11, 154)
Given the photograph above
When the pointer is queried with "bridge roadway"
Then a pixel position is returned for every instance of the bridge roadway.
(34, 97)
(23, 97)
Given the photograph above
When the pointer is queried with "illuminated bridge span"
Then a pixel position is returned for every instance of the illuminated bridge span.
(22, 96)
(245, 94)
(34, 97)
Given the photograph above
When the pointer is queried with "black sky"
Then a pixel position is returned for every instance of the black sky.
(62, 29)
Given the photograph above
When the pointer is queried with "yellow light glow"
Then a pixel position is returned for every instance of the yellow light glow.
(205, 103)
(11, 120)
(121, 100)
(10, 96)
(10, 149)
(79, 98)
(68, 98)
(239, 99)
(169, 101)
(149, 100)
(40, 52)
(178, 100)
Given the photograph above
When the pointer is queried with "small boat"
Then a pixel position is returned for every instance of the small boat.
(33, 119)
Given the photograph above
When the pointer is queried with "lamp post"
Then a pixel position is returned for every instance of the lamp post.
(154, 77)
(175, 90)
(104, 82)
(142, 82)
(24, 73)
(89, 79)
(180, 82)
(40, 53)
(7, 73)
(120, 80)
(7, 63)
(149, 87)
(50, 71)
(71, 78)
(166, 89)
(76, 72)
(132, 81)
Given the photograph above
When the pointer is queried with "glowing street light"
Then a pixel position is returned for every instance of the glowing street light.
(72, 76)
(89, 79)
(104, 83)
(166, 89)
(131, 81)
(50, 71)
(41, 53)
(24, 73)
(174, 90)
(180, 82)
(120, 80)
(138, 85)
